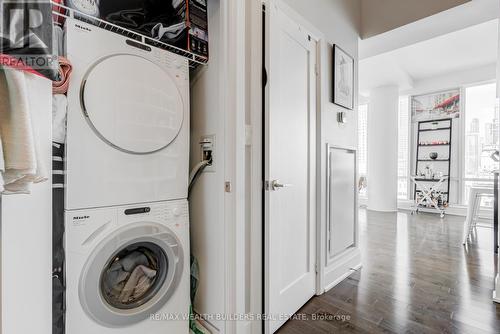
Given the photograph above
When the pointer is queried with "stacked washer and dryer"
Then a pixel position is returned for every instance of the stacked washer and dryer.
(126, 209)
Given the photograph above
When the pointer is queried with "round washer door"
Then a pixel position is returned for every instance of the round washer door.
(131, 274)
(132, 104)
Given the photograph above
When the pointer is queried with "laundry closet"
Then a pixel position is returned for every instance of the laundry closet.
(134, 234)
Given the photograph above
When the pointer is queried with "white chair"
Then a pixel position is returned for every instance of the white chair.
(476, 193)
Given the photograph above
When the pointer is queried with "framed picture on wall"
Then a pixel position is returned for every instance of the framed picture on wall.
(438, 105)
(343, 78)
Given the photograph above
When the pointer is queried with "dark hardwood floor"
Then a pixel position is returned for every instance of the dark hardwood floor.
(416, 278)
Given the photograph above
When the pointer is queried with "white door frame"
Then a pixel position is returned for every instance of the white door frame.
(318, 38)
(254, 51)
(321, 84)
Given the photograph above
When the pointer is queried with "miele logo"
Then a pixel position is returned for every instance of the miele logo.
(82, 28)
(81, 217)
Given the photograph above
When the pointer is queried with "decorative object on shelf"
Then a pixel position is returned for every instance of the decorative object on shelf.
(429, 172)
(436, 106)
(343, 78)
(433, 155)
(434, 143)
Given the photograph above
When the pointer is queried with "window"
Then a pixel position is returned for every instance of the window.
(362, 147)
(403, 147)
(481, 137)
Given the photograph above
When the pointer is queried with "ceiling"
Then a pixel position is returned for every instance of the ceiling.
(379, 16)
(461, 50)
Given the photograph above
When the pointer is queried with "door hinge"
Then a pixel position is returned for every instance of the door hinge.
(316, 69)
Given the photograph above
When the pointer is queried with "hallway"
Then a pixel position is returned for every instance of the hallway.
(416, 278)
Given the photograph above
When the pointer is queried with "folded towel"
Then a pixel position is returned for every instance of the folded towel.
(59, 111)
(61, 86)
(20, 147)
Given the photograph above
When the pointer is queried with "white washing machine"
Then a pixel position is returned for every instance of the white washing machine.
(128, 121)
(127, 269)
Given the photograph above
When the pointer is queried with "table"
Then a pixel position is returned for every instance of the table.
(428, 192)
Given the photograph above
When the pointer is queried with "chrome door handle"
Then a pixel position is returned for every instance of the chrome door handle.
(276, 185)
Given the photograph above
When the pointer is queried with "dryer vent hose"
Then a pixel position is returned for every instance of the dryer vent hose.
(195, 173)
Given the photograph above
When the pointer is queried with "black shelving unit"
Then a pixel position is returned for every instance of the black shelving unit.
(423, 128)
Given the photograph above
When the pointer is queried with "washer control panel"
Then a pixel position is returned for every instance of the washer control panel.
(161, 212)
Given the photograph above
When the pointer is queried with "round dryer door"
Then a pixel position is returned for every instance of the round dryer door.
(131, 275)
(132, 104)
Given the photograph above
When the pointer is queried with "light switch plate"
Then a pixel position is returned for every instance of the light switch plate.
(341, 117)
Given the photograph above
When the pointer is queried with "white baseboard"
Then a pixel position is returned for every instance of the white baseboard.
(453, 210)
(342, 277)
(341, 267)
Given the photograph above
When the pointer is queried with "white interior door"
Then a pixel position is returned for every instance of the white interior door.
(290, 224)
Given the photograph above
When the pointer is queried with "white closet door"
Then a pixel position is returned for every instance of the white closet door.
(290, 223)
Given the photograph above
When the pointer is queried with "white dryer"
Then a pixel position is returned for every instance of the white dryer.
(127, 269)
(128, 121)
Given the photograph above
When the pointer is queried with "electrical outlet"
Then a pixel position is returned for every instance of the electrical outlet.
(207, 151)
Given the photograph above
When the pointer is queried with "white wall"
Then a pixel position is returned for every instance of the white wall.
(26, 234)
(339, 22)
(220, 217)
(207, 198)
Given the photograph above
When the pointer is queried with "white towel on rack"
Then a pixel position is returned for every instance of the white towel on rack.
(59, 112)
(4, 105)
(20, 145)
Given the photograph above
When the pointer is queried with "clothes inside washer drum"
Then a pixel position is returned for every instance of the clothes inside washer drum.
(129, 277)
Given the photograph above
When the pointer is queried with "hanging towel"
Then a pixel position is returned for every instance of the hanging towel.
(59, 111)
(61, 86)
(4, 106)
(2, 163)
(20, 146)
(59, 40)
